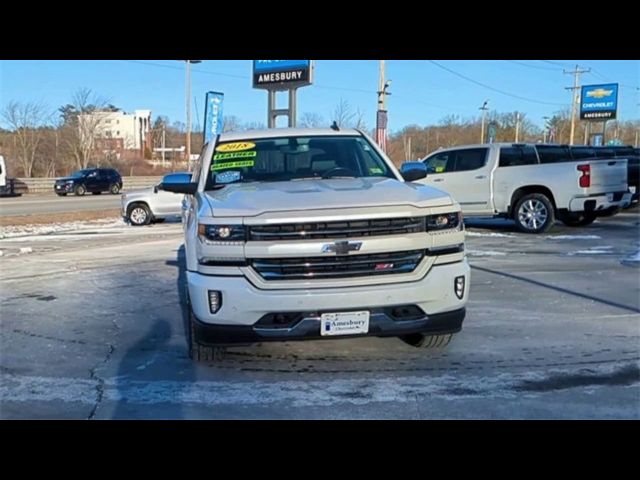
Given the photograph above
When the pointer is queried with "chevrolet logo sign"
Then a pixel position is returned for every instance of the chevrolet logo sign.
(599, 93)
(341, 248)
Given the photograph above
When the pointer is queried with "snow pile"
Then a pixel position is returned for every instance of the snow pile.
(481, 253)
(478, 234)
(52, 228)
(592, 251)
(574, 237)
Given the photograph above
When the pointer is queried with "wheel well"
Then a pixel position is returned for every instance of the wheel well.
(522, 191)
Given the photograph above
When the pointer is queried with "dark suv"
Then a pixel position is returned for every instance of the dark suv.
(94, 180)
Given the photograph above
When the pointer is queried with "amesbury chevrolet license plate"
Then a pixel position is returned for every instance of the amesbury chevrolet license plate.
(348, 323)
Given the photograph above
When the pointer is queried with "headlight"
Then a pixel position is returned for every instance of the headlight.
(222, 233)
(444, 221)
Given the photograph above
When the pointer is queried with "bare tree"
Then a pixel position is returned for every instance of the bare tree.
(26, 120)
(84, 119)
(311, 120)
(343, 114)
(231, 123)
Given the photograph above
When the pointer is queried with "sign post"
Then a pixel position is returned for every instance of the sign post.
(282, 75)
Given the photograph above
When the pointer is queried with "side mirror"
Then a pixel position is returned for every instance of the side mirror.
(156, 188)
(412, 171)
(178, 183)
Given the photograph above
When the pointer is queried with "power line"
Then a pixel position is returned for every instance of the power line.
(533, 66)
(492, 88)
(550, 62)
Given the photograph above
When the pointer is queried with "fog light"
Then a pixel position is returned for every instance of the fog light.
(215, 301)
(459, 287)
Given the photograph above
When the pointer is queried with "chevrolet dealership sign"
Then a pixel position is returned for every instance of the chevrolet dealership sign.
(599, 102)
(282, 74)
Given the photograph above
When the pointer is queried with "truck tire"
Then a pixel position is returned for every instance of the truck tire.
(534, 213)
(139, 214)
(80, 190)
(199, 352)
(578, 219)
(419, 340)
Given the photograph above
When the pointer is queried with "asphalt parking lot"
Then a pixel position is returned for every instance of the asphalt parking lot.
(92, 328)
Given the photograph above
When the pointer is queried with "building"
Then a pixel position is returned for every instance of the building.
(119, 133)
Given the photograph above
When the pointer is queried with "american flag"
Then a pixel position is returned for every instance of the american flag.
(381, 130)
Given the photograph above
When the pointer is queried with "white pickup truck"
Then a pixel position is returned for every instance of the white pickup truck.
(531, 184)
(296, 234)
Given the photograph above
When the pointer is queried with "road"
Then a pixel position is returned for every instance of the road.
(92, 327)
(35, 204)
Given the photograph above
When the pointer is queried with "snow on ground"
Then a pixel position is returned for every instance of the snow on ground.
(482, 253)
(635, 258)
(573, 237)
(479, 234)
(29, 230)
(592, 251)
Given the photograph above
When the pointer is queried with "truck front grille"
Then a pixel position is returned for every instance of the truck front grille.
(349, 229)
(347, 266)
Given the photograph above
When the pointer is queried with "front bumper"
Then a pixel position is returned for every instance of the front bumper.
(63, 187)
(600, 203)
(243, 305)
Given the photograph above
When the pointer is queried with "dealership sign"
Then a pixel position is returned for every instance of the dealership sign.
(213, 115)
(282, 74)
(599, 102)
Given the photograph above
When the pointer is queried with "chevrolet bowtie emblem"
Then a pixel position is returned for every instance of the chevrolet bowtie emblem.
(599, 93)
(341, 248)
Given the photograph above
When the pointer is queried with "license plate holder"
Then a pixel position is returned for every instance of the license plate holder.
(344, 323)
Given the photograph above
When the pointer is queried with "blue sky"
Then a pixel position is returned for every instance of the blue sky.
(422, 92)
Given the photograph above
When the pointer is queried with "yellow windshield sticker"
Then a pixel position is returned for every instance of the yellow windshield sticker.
(439, 169)
(375, 171)
(234, 156)
(235, 147)
(232, 165)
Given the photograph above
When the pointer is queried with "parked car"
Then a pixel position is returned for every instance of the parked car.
(152, 205)
(531, 184)
(93, 180)
(301, 234)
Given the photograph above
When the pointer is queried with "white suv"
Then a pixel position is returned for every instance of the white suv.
(299, 234)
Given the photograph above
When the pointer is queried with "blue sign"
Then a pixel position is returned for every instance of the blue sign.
(599, 102)
(260, 66)
(282, 74)
(213, 115)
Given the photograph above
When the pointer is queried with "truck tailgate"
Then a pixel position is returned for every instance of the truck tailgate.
(608, 176)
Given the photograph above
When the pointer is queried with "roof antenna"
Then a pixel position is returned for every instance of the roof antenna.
(334, 126)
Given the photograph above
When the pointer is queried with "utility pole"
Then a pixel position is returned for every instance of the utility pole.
(575, 96)
(484, 109)
(163, 144)
(545, 129)
(381, 117)
(188, 99)
(517, 126)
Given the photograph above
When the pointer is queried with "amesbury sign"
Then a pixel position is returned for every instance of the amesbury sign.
(599, 102)
(282, 74)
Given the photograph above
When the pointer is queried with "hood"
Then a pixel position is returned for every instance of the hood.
(145, 192)
(252, 199)
(67, 179)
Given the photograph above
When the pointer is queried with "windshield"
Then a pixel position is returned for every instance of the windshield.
(295, 158)
(79, 173)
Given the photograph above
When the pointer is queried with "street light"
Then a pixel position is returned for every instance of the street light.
(188, 99)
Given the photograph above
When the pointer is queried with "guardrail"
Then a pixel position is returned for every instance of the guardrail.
(45, 185)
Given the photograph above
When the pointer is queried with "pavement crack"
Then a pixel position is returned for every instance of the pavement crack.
(47, 337)
(93, 373)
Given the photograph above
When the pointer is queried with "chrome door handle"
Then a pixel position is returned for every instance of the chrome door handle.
(438, 179)
(480, 177)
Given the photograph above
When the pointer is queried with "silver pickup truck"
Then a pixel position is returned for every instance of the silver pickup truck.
(531, 184)
(297, 234)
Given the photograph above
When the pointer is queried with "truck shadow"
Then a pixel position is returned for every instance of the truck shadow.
(144, 391)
